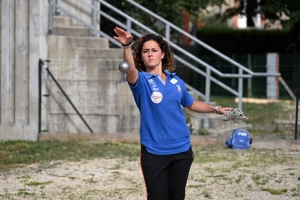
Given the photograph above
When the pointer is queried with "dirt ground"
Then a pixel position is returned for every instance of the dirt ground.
(275, 175)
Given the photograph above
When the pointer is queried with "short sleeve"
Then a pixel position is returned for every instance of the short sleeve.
(187, 99)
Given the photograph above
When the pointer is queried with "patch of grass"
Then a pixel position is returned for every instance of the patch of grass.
(249, 187)
(23, 192)
(48, 154)
(195, 186)
(239, 179)
(34, 183)
(14, 153)
(24, 177)
(278, 180)
(259, 179)
(201, 180)
(287, 169)
(275, 192)
(91, 180)
(202, 132)
(206, 194)
(91, 192)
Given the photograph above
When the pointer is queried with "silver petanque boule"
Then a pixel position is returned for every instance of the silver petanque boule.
(124, 67)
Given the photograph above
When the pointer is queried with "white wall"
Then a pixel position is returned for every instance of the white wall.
(23, 43)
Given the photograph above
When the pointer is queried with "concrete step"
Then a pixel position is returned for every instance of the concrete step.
(92, 97)
(103, 64)
(60, 20)
(215, 122)
(73, 55)
(86, 69)
(79, 31)
(100, 53)
(74, 42)
(83, 66)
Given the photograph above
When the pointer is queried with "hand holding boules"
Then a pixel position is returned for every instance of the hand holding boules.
(124, 67)
(234, 114)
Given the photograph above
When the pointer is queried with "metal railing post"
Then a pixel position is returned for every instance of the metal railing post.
(94, 18)
(40, 96)
(167, 32)
(50, 23)
(207, 96)
(297, 102)
(128, 25)
(240, 88)
(57, 10)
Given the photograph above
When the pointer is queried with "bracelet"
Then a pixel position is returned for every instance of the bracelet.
(127, 45)
(216, 109)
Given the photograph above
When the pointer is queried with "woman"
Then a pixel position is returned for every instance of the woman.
(166, 152)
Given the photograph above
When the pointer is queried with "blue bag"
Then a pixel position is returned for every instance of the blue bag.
(240, 139)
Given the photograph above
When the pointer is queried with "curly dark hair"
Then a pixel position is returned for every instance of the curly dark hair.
(168, 62)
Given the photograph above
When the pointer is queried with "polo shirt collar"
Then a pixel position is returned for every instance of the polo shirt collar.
(171, 74)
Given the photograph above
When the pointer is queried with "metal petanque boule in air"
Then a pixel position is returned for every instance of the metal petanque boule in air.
(124, 67)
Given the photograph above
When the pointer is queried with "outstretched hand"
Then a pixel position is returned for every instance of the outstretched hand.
(122, 36)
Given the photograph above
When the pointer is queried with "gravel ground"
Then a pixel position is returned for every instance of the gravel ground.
(239, 177)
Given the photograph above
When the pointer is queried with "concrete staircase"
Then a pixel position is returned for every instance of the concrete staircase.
(87, 70)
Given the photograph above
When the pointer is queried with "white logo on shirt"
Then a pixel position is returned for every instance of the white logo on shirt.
(173, 80)
(156, 97)
(178, 88)
(151, 81)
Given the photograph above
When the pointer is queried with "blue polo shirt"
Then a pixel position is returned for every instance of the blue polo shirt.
(163, 128)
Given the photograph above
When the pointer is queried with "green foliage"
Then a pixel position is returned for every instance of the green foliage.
(285, 11)
(231, 41)
(170, 10)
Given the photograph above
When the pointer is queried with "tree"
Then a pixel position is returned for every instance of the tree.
(285, 11)
(288, 12)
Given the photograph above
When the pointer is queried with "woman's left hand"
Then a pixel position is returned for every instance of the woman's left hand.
(223, 111)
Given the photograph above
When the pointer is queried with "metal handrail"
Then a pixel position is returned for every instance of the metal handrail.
(194, 39)
(209, 68)
(169, 24)
(128, 27)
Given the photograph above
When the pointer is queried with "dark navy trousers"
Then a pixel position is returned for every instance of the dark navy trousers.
(166, 175)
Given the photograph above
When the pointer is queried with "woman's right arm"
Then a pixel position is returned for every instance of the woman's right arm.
(125, 38)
